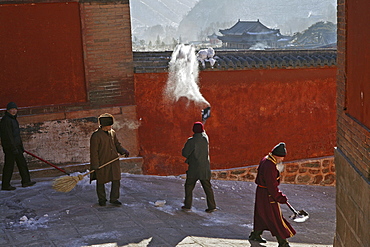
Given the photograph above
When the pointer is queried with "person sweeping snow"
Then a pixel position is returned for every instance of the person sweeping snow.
(267, 213)
(13, 149)
(104, 147)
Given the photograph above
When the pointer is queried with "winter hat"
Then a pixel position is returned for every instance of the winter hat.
(11, 105)
(198, 127)
(106, 119)
(279, 150)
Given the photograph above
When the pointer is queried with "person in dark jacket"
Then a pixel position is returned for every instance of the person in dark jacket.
(196, 151)
(104, 147)
(267, 213)
(13, 149)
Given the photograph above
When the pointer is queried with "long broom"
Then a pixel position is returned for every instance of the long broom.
(67, 183)
(47, 162)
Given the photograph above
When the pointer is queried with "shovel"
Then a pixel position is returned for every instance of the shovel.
(206, 113)
(298, 216)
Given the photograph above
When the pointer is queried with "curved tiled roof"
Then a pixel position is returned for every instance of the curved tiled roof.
(154, 62)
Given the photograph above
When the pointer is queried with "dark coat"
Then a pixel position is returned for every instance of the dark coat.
(104, 147)
(196, 151)
(10, 134)
(267, 213)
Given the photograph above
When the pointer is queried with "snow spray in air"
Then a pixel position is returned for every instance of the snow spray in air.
(183, 76)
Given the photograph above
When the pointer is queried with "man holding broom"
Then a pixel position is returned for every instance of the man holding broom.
(104, 147)
(13, 149)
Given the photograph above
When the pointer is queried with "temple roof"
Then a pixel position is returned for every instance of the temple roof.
(155, 62)
(213, 36)
(248, 27)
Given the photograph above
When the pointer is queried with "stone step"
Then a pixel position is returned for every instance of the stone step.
(132, 165)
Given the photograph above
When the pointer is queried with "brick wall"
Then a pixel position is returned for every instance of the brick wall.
(353, 135)
(352, 156)
(106, 32)
(63, 138)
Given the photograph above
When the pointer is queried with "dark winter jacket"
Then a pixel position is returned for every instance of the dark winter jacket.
(104, 147)
(196, 151)
(10, 134)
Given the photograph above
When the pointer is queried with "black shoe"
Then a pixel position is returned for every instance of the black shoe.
(285, 244)
(28, 184)
(209, 210)
(282, 242)
(102, 204)
(116, 203)
(255, 237)
(8, 188)
(183, 208)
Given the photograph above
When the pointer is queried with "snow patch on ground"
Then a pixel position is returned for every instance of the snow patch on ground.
(31, 223)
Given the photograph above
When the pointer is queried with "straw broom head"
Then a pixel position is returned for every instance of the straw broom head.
(66, 183)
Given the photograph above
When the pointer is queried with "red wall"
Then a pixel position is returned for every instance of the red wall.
(358, 62)
(41, 57)
(251, 112)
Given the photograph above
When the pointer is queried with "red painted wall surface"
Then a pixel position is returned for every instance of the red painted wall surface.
(252, 110)
(41, 58)
(358, 62)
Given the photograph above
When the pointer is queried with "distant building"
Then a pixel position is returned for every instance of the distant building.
(245, 34)
(213, 39)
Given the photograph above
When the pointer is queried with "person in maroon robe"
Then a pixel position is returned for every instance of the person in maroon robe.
(267, 213)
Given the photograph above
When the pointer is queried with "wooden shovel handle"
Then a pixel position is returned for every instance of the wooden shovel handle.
(291, 208)
(102, 166)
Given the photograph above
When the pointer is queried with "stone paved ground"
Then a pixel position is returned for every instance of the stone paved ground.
(39, 216)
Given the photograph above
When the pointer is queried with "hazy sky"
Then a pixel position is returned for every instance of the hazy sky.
(189, 17)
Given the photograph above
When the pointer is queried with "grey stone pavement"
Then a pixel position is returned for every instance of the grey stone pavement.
(39, 216)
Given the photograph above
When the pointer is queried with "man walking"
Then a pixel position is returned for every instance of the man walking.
(104, 147)
(13, 149)
(196, 153)
(267, 213)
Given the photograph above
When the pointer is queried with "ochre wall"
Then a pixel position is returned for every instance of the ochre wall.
(41, 56)
(252, 110)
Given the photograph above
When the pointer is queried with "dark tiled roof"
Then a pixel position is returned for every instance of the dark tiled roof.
(242, 27)
(156, 62)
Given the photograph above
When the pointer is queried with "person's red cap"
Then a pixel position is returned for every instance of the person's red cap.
(198, 127)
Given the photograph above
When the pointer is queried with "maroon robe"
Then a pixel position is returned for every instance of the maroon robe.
(267, 213)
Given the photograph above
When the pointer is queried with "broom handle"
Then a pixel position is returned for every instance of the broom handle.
(60, 169)
(102, 166)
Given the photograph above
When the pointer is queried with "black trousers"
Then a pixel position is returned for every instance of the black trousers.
(114, 192)
(8, 169)
(207, 187)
